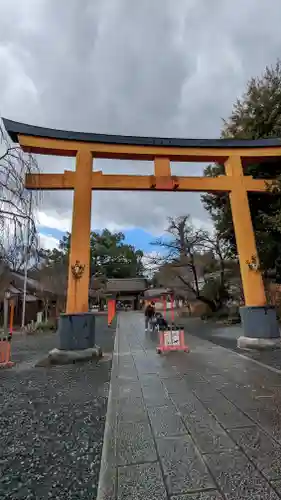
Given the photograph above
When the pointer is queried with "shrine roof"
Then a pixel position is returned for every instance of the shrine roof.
(14, 129)
(123, 284)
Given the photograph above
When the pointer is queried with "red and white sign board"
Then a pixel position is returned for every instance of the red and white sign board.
(172, 340)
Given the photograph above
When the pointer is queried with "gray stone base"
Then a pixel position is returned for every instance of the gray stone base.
(76, 331)
(258, 343)
(260, 327)
(62, 357)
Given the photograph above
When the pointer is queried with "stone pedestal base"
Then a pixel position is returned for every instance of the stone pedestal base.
(260, 327)
(62, 357)
(76, 341)
(76, 331)
(260, 344)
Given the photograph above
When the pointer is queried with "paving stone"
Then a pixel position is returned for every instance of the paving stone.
(269, 420)
(137, 350)
(184, 469)
(133, 411)
(153, 357)
(135, 443)
(166, 421)
(228, 415)
(217, 381)
(153, 398)
(208, 495)
(148, 379)
(237, 478)
(141, 482)
(263, 451)
(188, 400)
(128, 373)
(205, 430)
(128, 389)
(225, 412)
(144, 366)
(194, 377)
(277, 486)
(204, 391)
(139, 357)
(155, 386)
(125, 360)
(176, 386)
(169, 372)
(245, 398)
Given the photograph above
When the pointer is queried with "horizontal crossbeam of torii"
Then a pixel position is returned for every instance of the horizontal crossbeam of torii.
(105, 182)
(86, 147)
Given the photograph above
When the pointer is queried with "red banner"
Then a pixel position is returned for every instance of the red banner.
(111, 310)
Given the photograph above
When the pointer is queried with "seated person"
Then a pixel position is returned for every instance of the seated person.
(159, 321)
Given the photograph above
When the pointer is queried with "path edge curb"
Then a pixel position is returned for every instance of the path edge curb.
(106, 482)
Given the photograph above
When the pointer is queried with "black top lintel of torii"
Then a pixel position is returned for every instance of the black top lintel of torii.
(14, 129)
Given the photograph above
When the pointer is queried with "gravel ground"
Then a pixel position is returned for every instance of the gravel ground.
(52, 422)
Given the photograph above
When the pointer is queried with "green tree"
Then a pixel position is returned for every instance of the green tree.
(257, 115)
(113, 258)
(109, 255)
(54, 256)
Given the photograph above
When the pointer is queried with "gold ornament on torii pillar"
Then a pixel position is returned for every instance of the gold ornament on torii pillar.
(77, 270)
(85, 147)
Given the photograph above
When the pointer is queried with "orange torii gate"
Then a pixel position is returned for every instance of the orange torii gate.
(259, 320)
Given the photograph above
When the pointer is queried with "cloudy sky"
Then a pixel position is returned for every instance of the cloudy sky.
(140, 67)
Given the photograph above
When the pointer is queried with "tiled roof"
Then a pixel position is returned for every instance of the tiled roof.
(122, 285)
(126, 285)
(156, 292)
(31, 283)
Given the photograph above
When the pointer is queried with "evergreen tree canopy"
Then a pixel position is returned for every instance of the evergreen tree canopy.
(109, 257)
(257, 115)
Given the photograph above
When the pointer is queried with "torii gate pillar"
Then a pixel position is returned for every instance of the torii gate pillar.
(260, 326)
(77, 326)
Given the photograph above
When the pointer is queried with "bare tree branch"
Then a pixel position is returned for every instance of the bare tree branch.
(17, 205)
(191, 256)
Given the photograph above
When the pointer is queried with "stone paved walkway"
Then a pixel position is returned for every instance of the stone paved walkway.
(197, 426)
(226, 336)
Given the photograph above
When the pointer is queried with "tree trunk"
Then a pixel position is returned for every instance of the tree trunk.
(6, 315)
(210, 303)
(46, 311)
(189, 308)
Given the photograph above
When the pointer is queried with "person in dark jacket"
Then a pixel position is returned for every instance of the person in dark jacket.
(149, 314)
(158, 322)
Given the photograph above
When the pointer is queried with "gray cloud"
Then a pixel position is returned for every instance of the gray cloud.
(161, 67)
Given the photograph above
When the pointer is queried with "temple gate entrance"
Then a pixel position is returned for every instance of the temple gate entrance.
(259, 320)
